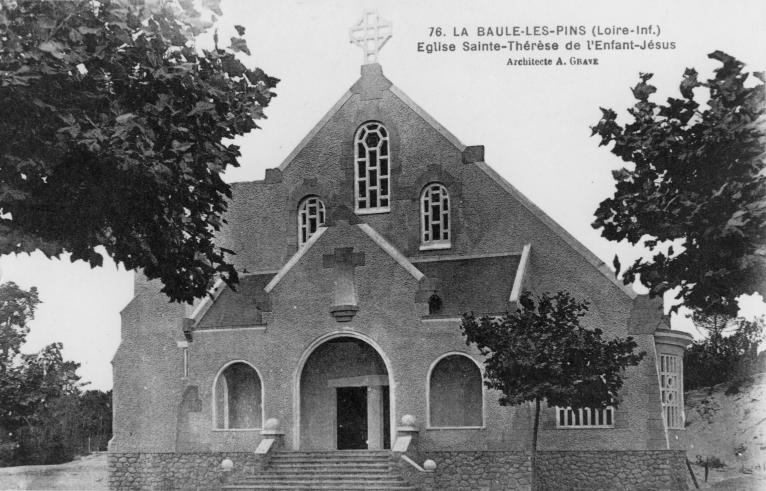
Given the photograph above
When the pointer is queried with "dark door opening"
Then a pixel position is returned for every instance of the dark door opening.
(386, 418)
(352, 418)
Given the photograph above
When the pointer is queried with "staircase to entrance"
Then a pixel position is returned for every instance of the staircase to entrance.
(336, 470)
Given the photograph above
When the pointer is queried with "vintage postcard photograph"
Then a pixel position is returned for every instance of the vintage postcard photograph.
(382, 245)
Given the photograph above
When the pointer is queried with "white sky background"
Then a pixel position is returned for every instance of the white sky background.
(533, 121)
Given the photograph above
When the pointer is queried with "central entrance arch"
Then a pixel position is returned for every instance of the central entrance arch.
(343, 395)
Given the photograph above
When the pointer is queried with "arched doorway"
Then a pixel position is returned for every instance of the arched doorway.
(344, 394)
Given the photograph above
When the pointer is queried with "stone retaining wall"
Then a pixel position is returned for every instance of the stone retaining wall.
(458, 470)
(608, 470)
(188, 471)
(565, 470)
(480, 470)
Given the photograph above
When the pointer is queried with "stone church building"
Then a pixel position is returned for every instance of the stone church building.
(339, 363)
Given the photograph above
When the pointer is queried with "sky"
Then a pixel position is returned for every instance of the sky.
(533, 120)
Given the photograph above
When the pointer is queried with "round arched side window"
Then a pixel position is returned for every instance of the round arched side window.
(311, 216)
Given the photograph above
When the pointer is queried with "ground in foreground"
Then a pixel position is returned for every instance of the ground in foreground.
(83, 474)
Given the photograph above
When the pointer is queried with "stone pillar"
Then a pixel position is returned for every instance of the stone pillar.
(407, 438)
(375, 417)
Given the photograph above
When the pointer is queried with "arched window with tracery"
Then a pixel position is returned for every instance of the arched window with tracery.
(435, 217)
(455, 393)
(311, 216)
(372, 169)
(237, 396)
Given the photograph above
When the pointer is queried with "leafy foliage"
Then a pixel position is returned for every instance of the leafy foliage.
(728, 353)
(113, 131)
(17, 308)
(542, 353)
(41, 405)
(697, 181)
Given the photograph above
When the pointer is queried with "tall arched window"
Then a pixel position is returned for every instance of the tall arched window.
(237, 396)
(310, 217)
(455, 393)
(434, 217)
(372, 170)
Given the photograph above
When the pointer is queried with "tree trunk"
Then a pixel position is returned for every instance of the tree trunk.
(534, 445)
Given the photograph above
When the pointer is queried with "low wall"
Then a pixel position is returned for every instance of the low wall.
(188, 471)
(607, 470)
(480, 470)
(455, 470)
(564, 470)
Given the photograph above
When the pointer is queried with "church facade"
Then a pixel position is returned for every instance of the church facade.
(358, 256)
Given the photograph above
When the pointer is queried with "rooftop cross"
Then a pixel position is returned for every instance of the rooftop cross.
(370, 34)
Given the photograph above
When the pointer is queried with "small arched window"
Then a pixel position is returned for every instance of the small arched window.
(237, 396)
(435, 217)
(455, 393)
(310, 217)
(372, 169)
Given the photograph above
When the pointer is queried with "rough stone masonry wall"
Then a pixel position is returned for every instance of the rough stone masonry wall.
(608, 470)
(478, 470)
(168, 471)
(571, 470)
(459, 470)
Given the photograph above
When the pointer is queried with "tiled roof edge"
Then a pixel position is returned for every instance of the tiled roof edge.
(391, 251)
(294, 260)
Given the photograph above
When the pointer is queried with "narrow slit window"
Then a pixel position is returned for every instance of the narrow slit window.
(310, 217)
(372, 168)
(434, 220)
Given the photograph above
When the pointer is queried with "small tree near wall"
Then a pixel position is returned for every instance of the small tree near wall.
(540, 352)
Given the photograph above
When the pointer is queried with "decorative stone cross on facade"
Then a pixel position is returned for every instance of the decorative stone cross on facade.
(370, 34)
(343, 261)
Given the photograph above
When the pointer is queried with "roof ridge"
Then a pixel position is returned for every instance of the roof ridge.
(317, 127)
(575, 244)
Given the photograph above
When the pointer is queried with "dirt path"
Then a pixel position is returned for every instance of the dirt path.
(84, 474)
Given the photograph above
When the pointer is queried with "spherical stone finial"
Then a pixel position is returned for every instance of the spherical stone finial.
(227, 465)
(429, 465)
(409, 420)
(271, 424)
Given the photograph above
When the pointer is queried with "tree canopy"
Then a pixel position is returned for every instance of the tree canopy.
(17, 308)
(41, 406)
(541, 352)
(727, 354)
(115, 129)
(695, 194)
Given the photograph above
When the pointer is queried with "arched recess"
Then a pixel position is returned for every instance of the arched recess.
(302, 363)
(455, 392)
(237, 397)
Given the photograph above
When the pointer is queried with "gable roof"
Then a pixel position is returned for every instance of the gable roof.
(369, 232)
(240, 308)
(375, 71)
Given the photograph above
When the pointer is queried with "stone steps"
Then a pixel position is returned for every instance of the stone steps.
(340, 470)
(334, 487)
